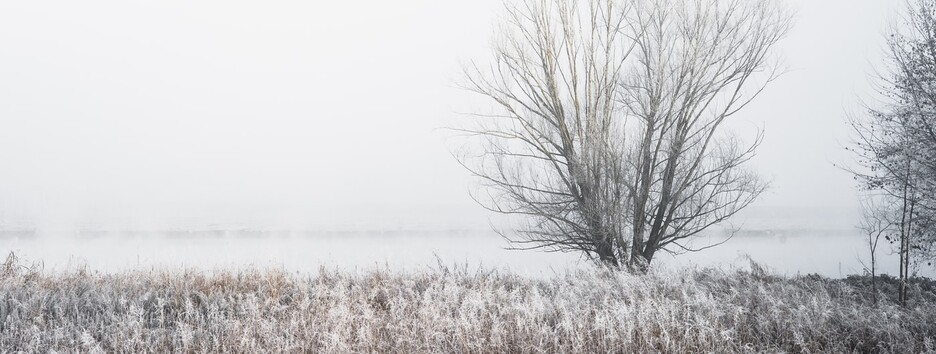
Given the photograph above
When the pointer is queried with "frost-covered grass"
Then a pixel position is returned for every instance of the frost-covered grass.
(453, 311)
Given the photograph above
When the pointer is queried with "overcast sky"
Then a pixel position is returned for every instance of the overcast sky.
(134, 110)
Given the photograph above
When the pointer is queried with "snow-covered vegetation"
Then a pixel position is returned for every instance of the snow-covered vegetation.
(452, 310)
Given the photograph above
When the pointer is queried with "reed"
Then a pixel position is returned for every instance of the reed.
(454, 310)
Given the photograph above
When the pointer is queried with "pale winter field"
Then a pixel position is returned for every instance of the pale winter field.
(454, 310)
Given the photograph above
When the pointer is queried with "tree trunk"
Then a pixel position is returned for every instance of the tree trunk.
(873, 279)
(606, 254)
(906, 219)
(659, 226)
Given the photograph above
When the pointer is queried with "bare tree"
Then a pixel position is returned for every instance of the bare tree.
(895, 142)
(700, 62)
(877, 221)
(554, 150)
(886, 169)
(608, 131)
(913, 53)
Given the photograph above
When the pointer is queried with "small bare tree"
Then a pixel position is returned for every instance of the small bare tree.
(877, 221)
(608, 135)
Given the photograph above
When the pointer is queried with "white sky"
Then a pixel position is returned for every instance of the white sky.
(138, 110)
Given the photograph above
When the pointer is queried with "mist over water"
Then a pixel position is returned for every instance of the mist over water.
(787, 240)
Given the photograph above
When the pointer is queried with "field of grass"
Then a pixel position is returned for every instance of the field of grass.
(454, 311)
